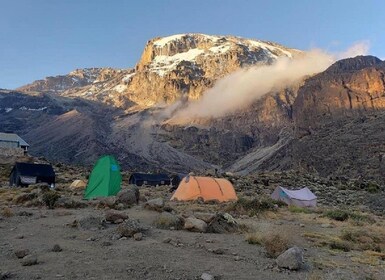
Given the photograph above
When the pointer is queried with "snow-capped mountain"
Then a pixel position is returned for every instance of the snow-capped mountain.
(329, 123)
(170, 68)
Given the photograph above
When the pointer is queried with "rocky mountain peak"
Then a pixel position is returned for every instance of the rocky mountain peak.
(353, 64)
(162, 55)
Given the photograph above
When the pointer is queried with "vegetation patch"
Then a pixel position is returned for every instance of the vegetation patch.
(296, 209)
(50, 198)
(343, 215)
(253, 207)
(274, 244)
(254, 238)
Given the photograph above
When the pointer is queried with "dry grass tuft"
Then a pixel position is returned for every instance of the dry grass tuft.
(7, 212)
(275, 245)
(254, 238)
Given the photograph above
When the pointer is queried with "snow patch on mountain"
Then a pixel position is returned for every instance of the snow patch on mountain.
(161, 64)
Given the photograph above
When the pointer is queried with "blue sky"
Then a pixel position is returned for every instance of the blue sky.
(40, 38)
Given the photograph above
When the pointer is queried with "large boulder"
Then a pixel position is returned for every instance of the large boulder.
(195, 225)
(291, 259)
(128, 197)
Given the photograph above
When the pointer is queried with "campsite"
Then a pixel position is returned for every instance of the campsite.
(224, 228)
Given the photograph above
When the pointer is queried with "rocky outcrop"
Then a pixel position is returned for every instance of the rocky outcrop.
(77, 78)
(350, 87)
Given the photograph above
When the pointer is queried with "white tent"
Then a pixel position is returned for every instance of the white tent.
(302, 198)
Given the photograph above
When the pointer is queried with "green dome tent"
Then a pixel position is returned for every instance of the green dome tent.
(105, 178)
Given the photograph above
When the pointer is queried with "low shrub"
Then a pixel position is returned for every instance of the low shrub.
(338, 215)
(342, 245)
(343, 215)
(50, 198)
(296, 209)
(7, 212)
(274, 245)
(253, 207)
(254, 238)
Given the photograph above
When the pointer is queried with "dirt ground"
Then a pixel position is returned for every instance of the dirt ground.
(173, 254)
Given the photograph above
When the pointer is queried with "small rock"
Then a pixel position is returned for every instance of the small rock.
(56, 248)
(118, 221)
(291, 259)
(166, 220)
(115, 217)
(19, 236)
(219, 251)
(237, 258)
(21, 253)
(167, 240)
(91, 223)
(156, 204)
(29, 260)
(206, 217)
(301, 225)
(206, 276)
(5, 275)
(138, 236)
(106, 243)
(327, 226)
(129, 227)
(194, 224)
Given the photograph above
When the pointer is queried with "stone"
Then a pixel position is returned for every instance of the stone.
(106, 243)
(327, 226)
(69, 203)
(91, 223)
(128, 197)
(56, 248)
(195, 225)
(167, 240)
(206, 276)
(29, 260)
(129, 227)
(22, 253)
(218, 251)
(156, 204)
(115, 217)
(138, 236)
(223, 223)
(166, 220)
(5, 275)
(291, 259)
(206, 217)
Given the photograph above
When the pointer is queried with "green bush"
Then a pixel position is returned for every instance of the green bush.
(253, 207)
(338, 215)
(296, 209)
(343, 215)
(340, 245)
(50, 198)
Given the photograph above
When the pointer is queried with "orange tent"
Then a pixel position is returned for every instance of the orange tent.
(207, 188)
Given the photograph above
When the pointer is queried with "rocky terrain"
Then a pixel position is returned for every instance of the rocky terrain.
(328, 124)
(48, 234)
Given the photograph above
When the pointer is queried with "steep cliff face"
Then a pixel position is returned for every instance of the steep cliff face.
(348, 88)
(186, 65)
